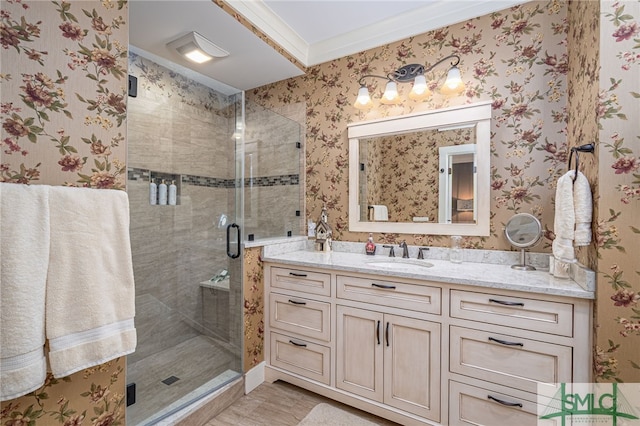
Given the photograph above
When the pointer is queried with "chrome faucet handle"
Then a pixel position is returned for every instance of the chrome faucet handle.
(391, 252)
(405, 250)
(420, 252)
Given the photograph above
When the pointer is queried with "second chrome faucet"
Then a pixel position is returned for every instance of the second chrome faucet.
(405, 250)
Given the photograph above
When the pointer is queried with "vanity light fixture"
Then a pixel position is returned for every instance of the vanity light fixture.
(412, 73)
(196, 48)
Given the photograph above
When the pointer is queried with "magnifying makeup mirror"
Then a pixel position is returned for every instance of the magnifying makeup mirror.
(523, 230)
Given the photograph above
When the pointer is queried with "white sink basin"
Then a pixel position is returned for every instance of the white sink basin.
(399, 264)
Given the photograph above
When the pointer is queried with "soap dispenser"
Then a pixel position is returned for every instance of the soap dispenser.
(162, 193)
(370, 247)
(153, 192)
(173, 193)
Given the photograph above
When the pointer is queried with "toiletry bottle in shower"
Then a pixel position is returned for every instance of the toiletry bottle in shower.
(153, 192)
(370, 247)
(173, 193)
(162, 193)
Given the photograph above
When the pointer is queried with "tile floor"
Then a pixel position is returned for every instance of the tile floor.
(280, 404)
(192, 361)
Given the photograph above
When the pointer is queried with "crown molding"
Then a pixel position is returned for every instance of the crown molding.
(273, 27)
(403, 26)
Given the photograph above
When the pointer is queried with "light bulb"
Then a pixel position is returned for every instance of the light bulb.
(198, 56)
(363, 101)
(454, 84)
(420, 91)
(390, 95)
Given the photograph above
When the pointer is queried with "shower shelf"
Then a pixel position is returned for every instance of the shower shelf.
(146, 175)
(221, 285)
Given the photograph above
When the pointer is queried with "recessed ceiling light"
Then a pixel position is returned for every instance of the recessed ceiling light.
(196, 48)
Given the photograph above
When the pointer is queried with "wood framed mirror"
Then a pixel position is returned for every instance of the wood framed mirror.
(429, 172)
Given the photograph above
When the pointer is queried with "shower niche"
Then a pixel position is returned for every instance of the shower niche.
(155, 179)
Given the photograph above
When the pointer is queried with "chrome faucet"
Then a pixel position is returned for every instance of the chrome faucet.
(420, 252)
(405, 250)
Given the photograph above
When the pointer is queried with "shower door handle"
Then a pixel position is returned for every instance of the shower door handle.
(237, 253)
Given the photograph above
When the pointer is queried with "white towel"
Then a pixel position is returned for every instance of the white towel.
(90, 288)
(583, 208)
(572, 221)
(24, 252)
(380, 212)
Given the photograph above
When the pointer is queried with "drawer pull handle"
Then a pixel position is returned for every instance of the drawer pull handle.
(504, 342)
(391, 287)
(378, 332)
(302, 345)
(502, 302)
(297, 275)
(295, 302)
(508, 404)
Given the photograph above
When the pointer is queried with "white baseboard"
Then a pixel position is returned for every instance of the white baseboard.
(254, 377)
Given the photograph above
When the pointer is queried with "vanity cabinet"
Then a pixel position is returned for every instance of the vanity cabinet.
(422, 352)
(390, 359)
(299, 317)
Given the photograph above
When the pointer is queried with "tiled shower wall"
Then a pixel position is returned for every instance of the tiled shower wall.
(181, 129)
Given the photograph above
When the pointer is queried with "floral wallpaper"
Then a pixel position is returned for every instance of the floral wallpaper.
(253, 290)
(618, 170)
(73, 71)
(63, 79)
(539, 64)
(94, 396)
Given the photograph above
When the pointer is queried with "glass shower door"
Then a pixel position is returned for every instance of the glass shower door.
(188, 287)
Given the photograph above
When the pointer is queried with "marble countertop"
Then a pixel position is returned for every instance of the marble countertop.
(488, 275)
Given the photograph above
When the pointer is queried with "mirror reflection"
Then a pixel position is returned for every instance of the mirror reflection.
(426, 172)
(421, 176)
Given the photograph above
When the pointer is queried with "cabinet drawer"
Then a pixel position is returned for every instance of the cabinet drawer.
(300, 357)
(528, 314)
(299, 315)
(470, 405)
(301, 280)
(516, 362)
(396, 294)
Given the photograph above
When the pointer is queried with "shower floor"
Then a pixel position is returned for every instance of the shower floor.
(199, 364)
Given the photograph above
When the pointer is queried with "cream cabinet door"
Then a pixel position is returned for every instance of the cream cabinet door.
(412, 365)
(359, 352)
(389, 359)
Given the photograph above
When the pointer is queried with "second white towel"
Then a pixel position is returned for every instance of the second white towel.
(573, 214)
(90, 288)
(24, 251)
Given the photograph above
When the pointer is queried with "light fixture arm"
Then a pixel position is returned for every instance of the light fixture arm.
(361, 79)
(409, 72)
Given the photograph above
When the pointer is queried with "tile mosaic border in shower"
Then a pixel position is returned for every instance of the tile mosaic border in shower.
(138, 174)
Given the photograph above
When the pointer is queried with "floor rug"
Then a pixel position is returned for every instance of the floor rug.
(325, 415)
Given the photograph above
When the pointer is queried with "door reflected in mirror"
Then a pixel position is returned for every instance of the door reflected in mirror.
(457, 189)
